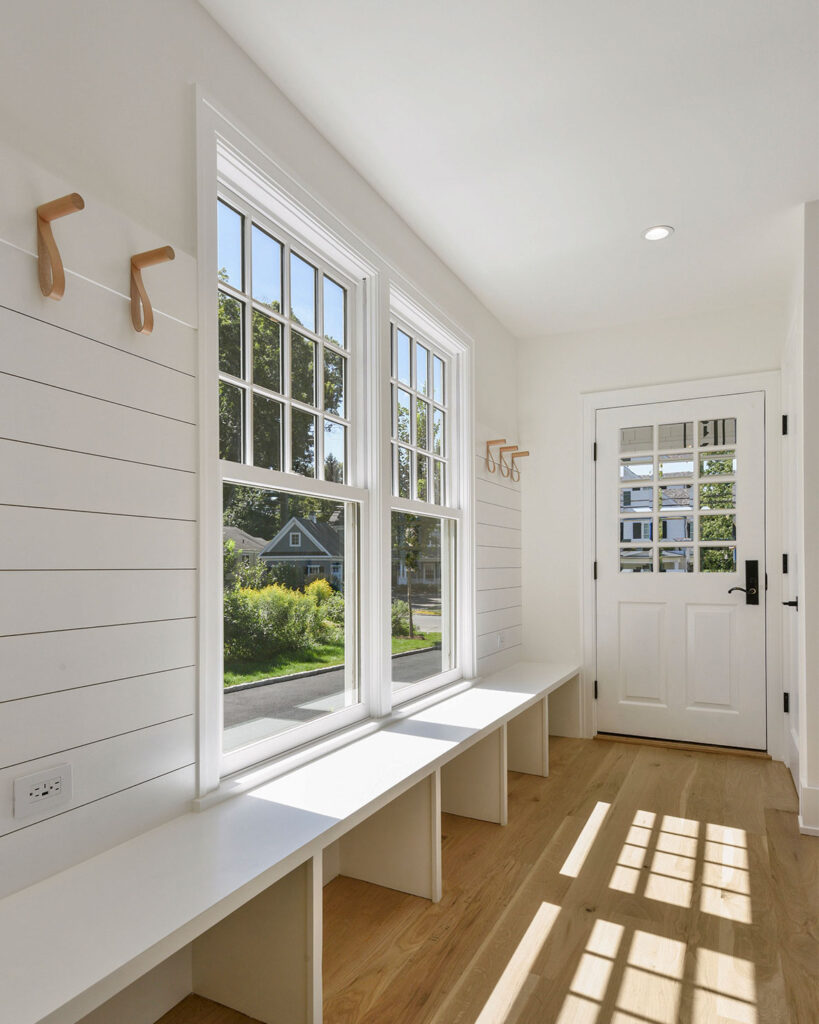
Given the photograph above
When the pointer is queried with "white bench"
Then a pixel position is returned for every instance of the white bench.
(241, 881)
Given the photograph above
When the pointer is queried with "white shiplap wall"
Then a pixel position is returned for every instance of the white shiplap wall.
(497, 568)
(98, 514)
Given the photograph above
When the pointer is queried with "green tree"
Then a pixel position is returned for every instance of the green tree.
(717, 495)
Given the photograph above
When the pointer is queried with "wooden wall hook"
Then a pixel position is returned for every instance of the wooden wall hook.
(506, 468)
(515, 472)
(491, 464)
(142, 314)
(49, 264)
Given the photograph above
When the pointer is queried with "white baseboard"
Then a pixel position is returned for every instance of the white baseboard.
(808, 830)
(808, 810)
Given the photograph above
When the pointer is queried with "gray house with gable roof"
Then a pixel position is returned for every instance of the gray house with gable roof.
(317, 549)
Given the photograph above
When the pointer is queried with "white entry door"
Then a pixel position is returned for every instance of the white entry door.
(680, 511)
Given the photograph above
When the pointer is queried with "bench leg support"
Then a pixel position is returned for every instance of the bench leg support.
(528, 737)
(473, 784)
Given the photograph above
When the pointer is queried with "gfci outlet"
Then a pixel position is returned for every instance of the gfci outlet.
(43, 791)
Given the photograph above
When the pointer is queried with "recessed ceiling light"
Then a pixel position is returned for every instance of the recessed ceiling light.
(658, 232)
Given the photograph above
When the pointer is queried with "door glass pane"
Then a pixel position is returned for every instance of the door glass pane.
(334, 302)
(229, 244)
(438, 379)
(677, 559)
(230, 335)
(302, 627)
(635, 439)
(675, 435)
(267, 269)
(267, 352)
(422, 369)
(231, 422)
(677, 496)
(404, 473)
(437, 432)
(302, 292)
(421, 423)
(335, 455)
(638, 467)
(303, 442)
(676, 528)
(422, 478)
(335, 372)
(635, 529)
(676, 465)
(718, 528)
(402, 416)
(402, 368)
(636, 560)
(640, 499)
(423, 599)
(718, 464)
(437, 482)
(718, 432)
(303, 369)
(718, 559)
(717, 495)
(267, 433)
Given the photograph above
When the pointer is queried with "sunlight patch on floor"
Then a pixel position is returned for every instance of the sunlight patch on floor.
(584, 842)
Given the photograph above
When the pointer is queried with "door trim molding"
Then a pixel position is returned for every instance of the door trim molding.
(767, 382)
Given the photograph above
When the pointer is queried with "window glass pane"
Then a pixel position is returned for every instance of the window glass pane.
(675, 435)
(437, 482)
(718, 559)
(677, 559)
(231, 422)
(267, 352)
(718, 464)
(402, 357)
(335, 373)
(335, 455)
(421, 423)
(636, 560)
(717, 495)
(639, 498)
(334, 302)
(635, 439)
(718, 432)
(230, 335)
(303, 442)
(402, 413)
(302, 292)
(677, 496)
(718, 528)
(635, 529)
(422, 369)
(638, 467)
(267, 269)
(422, 597)
(302, 369)
(267, 433)
(404, 482)
(438, 385)
(229, 244)
(422, 477)
(676, 528)
(302, 625)
(676, 465)
(438, 432)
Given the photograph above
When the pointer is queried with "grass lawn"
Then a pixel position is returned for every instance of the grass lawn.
(325, 657)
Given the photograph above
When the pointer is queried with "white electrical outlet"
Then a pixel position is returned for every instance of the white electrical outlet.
(42, 792)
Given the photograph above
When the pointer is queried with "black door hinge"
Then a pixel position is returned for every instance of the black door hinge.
(786, 703)
(595, 570)
(594, 451)
(595, 689)
(766, 581)
(785, 565)
(784, 426)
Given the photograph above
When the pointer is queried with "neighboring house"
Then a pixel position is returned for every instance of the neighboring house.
(248, 547)
(317, 549)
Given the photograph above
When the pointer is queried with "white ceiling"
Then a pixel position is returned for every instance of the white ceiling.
(529, 142)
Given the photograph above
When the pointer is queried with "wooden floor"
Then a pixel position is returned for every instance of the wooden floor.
(636, 885)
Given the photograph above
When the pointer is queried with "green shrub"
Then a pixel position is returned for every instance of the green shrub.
(400, 618)
(319, 590)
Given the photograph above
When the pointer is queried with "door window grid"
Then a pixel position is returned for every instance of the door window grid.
(683, 499)
(284, 378)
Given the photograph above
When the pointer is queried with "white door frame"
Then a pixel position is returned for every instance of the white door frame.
(767, 382)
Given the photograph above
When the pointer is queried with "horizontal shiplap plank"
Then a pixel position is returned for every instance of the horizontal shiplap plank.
(31, 854)
(501, 659)
(497, 536)
(39, 351)
(497, 515)
(49, 539)
(497, 558)
(32, 602)
(497, 494)
(36, 663)
(41, 414)
(488, 644)
(503, 618)
(108, 766)
(41, 726)
(51, 478)
(489, 600)
(497, 579)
